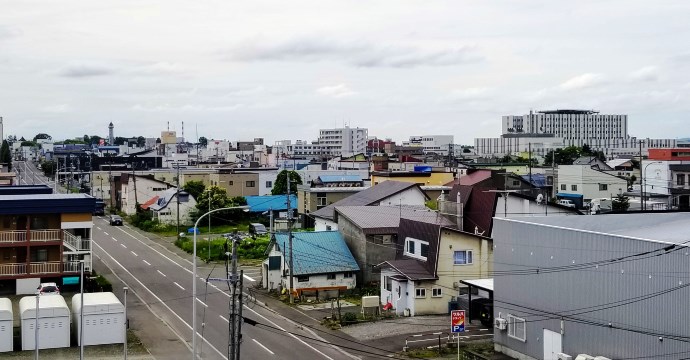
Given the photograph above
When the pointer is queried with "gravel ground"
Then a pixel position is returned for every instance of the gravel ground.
(397, 326)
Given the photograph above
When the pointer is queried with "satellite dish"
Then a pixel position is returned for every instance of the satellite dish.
(540, 199)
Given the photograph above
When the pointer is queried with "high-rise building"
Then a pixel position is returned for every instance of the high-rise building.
(345, 141)
(438, 144)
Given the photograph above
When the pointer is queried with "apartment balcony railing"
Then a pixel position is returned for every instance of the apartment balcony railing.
(12, 236)
(76, 242)
(48, 267)
(12, 269)
(45, 235)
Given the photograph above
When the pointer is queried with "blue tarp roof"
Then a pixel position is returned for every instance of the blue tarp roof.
(318, 252)
(572, 196)
(339, 178)
(538, 180)
(270, 202)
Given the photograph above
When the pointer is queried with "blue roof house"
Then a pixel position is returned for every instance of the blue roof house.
(323, 264)
(270, 202)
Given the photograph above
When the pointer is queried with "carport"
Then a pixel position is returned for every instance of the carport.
(485, 285)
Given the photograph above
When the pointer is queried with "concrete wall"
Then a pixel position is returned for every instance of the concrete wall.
(324, 225)
(587, 181)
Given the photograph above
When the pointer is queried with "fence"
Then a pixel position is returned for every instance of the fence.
(12, 269)
(45, 235)
(12, 236)
(76, 242)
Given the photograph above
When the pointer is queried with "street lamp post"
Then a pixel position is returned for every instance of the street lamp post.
(642, 191)
(194, 276)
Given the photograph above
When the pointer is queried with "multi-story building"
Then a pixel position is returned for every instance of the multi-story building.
(43, 237)
(543, 131)
(345, 141)
(437, 144)
(665, 179)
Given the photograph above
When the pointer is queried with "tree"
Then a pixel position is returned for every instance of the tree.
(48, 168)
(95, 139)
(203, 141)
(42, 136)
(620, 203)
(6, 154)
(119, 140)
(214, 197)
(195, 188)
(280, 186)
(141, 141)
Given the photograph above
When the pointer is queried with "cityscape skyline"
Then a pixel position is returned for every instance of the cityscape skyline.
(285, 73)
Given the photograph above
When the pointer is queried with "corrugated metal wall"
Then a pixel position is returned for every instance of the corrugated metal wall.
(526, 246)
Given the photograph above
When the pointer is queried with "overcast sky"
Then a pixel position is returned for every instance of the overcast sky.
(284, 69)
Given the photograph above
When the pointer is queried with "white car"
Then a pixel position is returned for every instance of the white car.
(50, 288)
(568, 203)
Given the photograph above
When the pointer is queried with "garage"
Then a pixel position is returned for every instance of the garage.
(104, 318)
(53, 322)
(6, 325)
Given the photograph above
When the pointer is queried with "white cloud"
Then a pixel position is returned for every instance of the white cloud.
(60, 108)
(160, 68)
(336, 91)
(470, 94)
(186, 108)
(583, 81)
(86, 70)
(645, 74)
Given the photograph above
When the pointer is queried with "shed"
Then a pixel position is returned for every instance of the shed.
(53, 322)
(104, 318)
(6, 325)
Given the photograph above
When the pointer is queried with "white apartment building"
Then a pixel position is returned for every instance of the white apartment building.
(439, 144)
(345, 141)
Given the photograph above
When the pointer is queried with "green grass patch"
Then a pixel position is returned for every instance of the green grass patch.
(248, 248)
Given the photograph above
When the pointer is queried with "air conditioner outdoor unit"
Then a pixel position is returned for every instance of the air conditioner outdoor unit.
(500, 324)
(562, 356)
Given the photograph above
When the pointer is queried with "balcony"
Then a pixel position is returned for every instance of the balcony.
(12, 269)
(45, 235)
(41, 268)
(12, 236)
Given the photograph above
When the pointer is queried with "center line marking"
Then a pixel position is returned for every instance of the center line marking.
(197, 299)
(123, 245)
(115, 239)
(146, 262)
(262, 345)
(98, 227)
(161, 273)
(221, 316)
(250, 279)
(133, 253)
(106, 234)
(179, 286)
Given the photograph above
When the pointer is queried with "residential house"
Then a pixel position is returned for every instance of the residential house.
(386, 193)
(611, 286)
(665, 179)
(138, 189)
(423, 176)
(582, 183)
(371, 233)
(323, 265)
(275, 207)
(624, 167)
(164, 207)
(43, 237)
(593, 162)
(236, 183)
(430, 263)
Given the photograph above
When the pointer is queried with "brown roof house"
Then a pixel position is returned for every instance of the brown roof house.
(371, 233)
(387, 193)
(430, 262)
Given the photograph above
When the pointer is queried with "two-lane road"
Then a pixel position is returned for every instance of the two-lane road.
(164, 281)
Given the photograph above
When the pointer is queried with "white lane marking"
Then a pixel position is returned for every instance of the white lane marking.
(291, 335)
(248, 278)
(98, 227)
(262, 345)
(197, 299)
(114, 239)
(106, 234)
(225, 319)
(146, 262)
(123, 245)
(179, 286)
(133, 253)
(161, 273)
(162, 303)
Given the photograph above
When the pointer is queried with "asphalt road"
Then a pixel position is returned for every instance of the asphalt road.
(28, 174)
(164, 281)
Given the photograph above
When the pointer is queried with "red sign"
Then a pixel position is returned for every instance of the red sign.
(101, 142)
(457, 321)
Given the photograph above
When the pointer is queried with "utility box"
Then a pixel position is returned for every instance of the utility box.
(53, 322)
(6, 325)
(104, 318)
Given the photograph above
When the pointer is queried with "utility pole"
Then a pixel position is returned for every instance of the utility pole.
(235, 284)
(177, 196)
(125, 289)
(642, 179)
(289, 228)
(38, 299)
(134, 179)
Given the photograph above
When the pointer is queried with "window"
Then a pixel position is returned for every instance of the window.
(573, 187)
(462, 257)
(347, 274)
(158, 189)
(230, 183)
(603, 187)
(420, 293)
(516, 328)
(302, 278)
(328, 228)
(321, 199)
(418, 249)
(250, 184)
(436, 292)
(680, 179)
(269, 184)
(564, 187)
(330, 276)
(424, 250)
(516, 182)
(39, 255)
(388, 283)
(464, 290)
(549, 180)
(410, 247)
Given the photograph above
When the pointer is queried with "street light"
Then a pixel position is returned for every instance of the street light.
(196, 226)
(644, 173)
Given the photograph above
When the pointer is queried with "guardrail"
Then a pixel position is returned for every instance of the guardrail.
(76, 242)
(12, 236)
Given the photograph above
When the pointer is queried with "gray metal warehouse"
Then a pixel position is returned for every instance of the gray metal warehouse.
(615, 286)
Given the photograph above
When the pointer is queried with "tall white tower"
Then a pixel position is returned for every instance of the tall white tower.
(111, 135)
(2, 135)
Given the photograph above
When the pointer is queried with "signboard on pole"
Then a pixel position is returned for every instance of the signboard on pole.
(457, 321)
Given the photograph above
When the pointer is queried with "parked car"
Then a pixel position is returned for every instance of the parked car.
(257, 229)
(115, 220)
(50, 288)
(568, 203)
